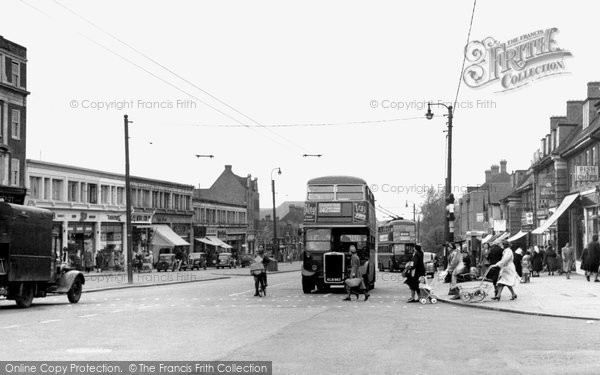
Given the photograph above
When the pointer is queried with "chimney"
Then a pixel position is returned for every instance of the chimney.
(574, 108)
(488, 175)
(548, 144)
(543, 147)
(228, 168)
(502, 166)
(589, 105)
(495, 170)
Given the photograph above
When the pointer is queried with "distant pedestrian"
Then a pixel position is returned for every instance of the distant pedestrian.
(508, 275)
(537, 264)
(526, 266)
(550, 259)
(518, 257)
(484, 262)
(568, 258)
(585, 262)
(88, 260)
(594, 254)
(99, 261)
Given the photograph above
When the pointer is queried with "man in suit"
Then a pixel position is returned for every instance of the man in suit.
(594, 254)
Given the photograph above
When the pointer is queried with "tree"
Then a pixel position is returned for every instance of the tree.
(433, 212)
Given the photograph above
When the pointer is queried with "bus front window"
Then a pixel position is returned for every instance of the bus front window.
(318, 239)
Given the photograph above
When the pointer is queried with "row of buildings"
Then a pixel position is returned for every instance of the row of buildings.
(89, 205)
(557, 198)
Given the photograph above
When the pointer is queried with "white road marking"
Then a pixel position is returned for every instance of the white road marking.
(87, 316)
(9, 327)
(252, 290)
(50, 321)
(116, 311)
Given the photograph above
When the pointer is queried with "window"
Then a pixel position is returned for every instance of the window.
(105, 194)
(92, 193)
(318, 239)
(320, 192)
(47, 189)
(594, 155)
(120, 193)
(73, 191)
(35, 187)
(349, 192)
(57, 189)
(16, 76)
(14, 172)
(15, 124)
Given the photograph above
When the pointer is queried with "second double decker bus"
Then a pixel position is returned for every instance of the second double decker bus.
(339, 212)
(397, 239)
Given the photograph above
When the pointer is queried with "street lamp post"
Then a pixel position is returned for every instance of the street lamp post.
(128, 203)
(275, 241)
(448, 233)
(415, 218)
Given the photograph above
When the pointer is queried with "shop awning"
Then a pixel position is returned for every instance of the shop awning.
(487, 238)
(564, 205)
(164, 236)
(475, 233)
(520, 234)
(499, 238)
(206, 241)
(219, 242)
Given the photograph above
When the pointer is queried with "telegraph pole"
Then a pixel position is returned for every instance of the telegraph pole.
(128, 204)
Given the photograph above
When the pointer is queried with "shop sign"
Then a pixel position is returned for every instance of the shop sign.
(546, 184)
(480, 217)
(500, 225)
(310, 211)
(586, 173)
(114, 217)
(527, 218)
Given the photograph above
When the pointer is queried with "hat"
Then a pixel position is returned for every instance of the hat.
(352, 249)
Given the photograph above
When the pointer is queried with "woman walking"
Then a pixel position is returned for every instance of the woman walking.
(585, 263)
(418, 270)
(536, 262)
(550, 259)
(568, 258)
(508, 274)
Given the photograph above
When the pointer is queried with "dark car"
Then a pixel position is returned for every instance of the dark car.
(225, 260)
(197, 261)
(246, 260)
(165, 262)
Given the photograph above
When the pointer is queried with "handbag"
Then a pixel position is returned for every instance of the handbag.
(353, 282)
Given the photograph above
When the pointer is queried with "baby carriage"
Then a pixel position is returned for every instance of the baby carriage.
(476, 291)
(425, 291)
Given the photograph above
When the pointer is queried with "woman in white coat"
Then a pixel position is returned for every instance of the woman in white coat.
(508, 274)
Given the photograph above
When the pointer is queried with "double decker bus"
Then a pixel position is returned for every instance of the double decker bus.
(339, 212)
(396, 245)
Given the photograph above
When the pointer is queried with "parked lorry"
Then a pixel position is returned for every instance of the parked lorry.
(32, 264)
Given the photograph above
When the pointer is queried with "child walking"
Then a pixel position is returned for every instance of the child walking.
(526, 267)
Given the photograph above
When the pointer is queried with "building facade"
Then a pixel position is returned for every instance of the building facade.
(229, 210)
(13, 134)
(89, 212)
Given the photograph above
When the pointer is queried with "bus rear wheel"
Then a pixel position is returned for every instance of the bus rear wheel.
(25, 296)
(307, 285)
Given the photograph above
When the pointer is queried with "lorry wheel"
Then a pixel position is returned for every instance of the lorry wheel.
(25, 298)
(74, 294)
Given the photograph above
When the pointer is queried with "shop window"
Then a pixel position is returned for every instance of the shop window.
(47, 189)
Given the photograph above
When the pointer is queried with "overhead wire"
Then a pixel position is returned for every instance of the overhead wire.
(460, 76)
(154, 61)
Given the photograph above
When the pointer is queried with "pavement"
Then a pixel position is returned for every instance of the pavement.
(554, 296)
(100, 281)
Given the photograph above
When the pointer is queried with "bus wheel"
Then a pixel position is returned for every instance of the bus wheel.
(25, 296)
(307, 285)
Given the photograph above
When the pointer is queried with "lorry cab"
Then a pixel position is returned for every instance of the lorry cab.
(30, 266)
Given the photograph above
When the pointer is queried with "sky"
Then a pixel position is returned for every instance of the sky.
(213, 77)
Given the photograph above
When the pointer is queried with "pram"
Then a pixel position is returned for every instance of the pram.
(425, 291)
(476, 291)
